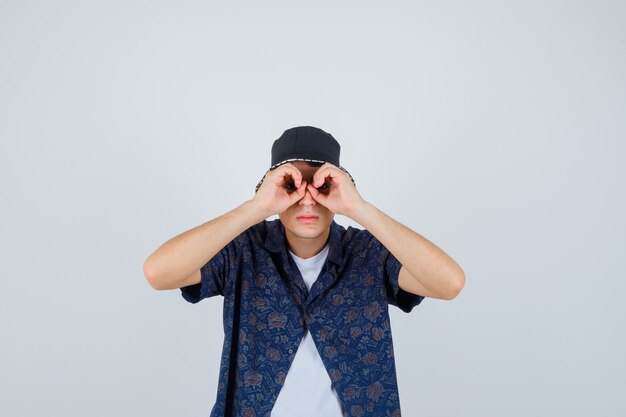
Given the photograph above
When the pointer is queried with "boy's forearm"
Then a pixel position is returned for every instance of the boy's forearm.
(187, 252)
(428, 263)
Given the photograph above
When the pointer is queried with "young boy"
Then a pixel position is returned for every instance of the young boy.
(306, 321)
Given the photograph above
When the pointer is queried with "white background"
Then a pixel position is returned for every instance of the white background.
(493, 128)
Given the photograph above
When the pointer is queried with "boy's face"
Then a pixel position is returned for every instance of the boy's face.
(297, 218)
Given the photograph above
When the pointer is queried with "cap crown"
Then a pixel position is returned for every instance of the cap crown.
(306, 143)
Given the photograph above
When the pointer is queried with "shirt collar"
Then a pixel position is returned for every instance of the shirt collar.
(275, 240)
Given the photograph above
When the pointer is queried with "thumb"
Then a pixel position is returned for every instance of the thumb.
(298, 194)
(317, 196)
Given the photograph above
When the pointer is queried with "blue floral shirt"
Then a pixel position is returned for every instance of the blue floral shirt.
(267, 309)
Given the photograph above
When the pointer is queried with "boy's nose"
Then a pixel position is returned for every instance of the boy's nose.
(307, 199)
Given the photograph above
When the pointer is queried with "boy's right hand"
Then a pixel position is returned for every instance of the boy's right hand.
(281, 188)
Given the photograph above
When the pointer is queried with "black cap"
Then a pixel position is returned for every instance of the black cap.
(305, 143)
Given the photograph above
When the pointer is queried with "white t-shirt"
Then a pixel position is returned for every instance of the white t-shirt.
(307, 390)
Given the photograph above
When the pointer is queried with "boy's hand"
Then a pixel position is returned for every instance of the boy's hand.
(342, 198)
(281, 188)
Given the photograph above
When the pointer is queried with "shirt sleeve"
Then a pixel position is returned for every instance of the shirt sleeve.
(396, 296)
(213, 275)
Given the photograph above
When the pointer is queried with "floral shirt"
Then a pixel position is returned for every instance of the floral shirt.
(267, 309)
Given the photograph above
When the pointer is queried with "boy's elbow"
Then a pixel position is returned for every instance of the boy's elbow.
(457, 285)
(150, 274)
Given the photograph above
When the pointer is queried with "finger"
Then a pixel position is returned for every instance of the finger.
(289, 170)
(298, 194)
(327, 170)
(321, 174)
(317, 196)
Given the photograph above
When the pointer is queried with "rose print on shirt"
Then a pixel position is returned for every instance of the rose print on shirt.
(374, 390)
(252, 378)
(277, 319)
(372, 311)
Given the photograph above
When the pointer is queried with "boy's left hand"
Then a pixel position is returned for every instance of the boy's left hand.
(342, 198)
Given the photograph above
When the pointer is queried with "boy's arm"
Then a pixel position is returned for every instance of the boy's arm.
(177, 262)
(426, 269)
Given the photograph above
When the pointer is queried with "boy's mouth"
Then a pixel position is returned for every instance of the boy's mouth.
(307, 218)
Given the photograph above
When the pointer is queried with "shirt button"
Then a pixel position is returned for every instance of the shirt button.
(290, 350)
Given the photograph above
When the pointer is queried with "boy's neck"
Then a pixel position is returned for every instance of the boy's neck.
(307, 247)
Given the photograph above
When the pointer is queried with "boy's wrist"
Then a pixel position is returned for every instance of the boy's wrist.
(259, 213)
